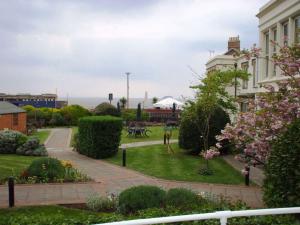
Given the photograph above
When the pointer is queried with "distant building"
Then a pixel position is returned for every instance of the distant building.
(12, 117)
(38, 101)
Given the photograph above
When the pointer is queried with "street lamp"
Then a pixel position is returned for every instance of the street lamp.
(127, 74)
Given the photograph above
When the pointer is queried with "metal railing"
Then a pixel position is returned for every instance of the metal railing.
(221, 215)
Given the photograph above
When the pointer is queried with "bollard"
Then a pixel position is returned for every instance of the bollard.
(11, 192)
(165, 139)
(247, 176)
(124, 156)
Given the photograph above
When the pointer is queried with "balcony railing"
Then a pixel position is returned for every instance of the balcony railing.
(221, 215)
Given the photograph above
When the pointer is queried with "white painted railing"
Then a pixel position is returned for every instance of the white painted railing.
(222, 216)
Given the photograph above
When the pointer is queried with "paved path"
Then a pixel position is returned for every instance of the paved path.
(256, 174)
(108, 178)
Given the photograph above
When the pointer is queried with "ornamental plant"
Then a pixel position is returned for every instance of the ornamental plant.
(270, 114)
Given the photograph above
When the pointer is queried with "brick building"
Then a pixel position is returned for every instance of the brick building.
(12, 117)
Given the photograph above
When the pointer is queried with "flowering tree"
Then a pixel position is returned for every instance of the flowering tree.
(271, 113)
(212, 95)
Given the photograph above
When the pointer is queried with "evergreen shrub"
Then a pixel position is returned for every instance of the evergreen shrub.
(182, 198)
(99, 136)
(141, 197)
(10, 140)
(282, 183)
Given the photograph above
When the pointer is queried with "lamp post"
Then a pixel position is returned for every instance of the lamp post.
(235, 80)
(127, 74)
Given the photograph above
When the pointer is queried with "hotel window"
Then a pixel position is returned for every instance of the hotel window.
(285, 33)
(297, 30)
(274, 39)
(267, 66)
(244, 67)
(254, 72)
(244, 107)
(267, 42)
(15, 119)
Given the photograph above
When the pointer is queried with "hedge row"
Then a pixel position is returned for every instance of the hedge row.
(99, 136)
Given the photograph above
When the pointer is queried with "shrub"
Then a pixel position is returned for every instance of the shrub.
(10, 140)
(32, 147)
(57, 120)
(130, 115)
(97, 203)
(105, 108)
(190, 128)
(73, 113)
(46, 169)
(181, 198)
(141, 197)
(282, 183)
(99, 136)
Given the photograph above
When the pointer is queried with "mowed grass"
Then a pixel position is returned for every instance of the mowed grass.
(157, 133)
(155, 161)
(13, 165)
(42, 135)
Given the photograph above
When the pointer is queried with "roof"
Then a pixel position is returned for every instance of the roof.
(7, 108)
(168, 103)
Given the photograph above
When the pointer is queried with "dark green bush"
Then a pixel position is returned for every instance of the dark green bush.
(99, 136)
(10, 140)
(182, 198)
(105, 108)
(131, 115)
(190, 135)
(57, 120)
(46, 168)
(282, 183)
(141, 197)
(32, 147)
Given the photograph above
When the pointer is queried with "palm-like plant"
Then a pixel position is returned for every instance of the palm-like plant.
(123, 101)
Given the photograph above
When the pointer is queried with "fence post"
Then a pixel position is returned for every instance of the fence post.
(11, 192)
(247, 175)
(124, 156)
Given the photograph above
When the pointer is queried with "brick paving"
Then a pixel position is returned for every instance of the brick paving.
(108, 178)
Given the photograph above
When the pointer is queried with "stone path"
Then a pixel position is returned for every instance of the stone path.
(108, 178)
(256, 174)
(146, 143)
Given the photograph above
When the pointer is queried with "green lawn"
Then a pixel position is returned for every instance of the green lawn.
(155, 161)
(157, 133)
(42, 135)
(11, 164)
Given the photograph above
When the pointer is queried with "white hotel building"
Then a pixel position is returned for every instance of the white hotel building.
(279, 20)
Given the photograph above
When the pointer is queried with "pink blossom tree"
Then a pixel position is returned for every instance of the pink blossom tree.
(270, 113)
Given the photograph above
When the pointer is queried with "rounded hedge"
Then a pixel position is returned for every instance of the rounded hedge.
(99, 136)
(141, 197)
(106, 108)
(282, 183)
(181, 198)
(49, 168)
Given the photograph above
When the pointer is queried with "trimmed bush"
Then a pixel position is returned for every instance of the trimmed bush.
(99, 136)
(32, 147)
(98, 203)
(282, 183)
(105, 108)
(190, 128)
(141, 197)
(181, 198)
(10, 140)
(46, 168)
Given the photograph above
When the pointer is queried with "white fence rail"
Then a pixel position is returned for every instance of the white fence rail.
(222, 216)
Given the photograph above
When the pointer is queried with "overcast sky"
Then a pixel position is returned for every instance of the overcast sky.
(84, 47)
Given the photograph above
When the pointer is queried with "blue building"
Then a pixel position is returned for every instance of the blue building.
(38, 101)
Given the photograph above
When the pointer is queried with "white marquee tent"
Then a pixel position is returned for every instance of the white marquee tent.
(167, 103)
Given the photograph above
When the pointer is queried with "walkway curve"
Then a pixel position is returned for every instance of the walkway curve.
(110, 178)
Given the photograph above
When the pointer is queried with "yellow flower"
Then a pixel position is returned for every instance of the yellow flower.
(66, 163)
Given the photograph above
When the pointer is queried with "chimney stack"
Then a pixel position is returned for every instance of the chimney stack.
(234, 43)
